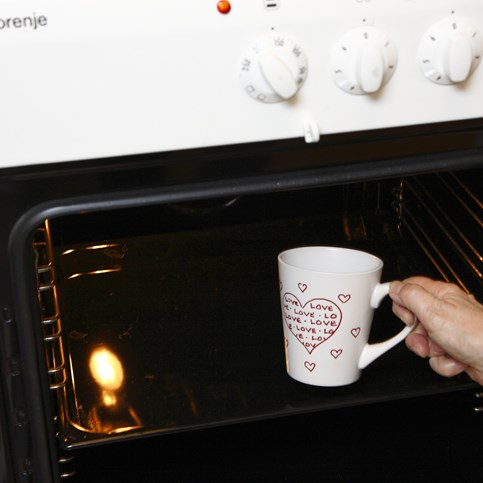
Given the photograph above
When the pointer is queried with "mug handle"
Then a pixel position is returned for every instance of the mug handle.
(372, 351)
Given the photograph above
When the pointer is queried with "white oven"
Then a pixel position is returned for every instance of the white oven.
(155, 157)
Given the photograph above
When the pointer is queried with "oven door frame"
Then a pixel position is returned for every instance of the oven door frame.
(32, 194)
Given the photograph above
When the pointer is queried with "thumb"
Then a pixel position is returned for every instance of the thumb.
(416, 299)
(446, 366)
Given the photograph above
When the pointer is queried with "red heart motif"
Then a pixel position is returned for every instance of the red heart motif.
(355, 332)
(311, 323)
(302, 287)
(335, 353)
(344, 298)
(309, 365)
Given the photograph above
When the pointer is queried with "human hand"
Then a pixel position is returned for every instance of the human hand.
(450, 328)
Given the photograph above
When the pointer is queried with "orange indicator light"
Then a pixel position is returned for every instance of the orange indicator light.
(223, 7)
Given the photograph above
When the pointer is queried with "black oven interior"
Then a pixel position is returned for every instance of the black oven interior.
(166, 319)
(141, 316)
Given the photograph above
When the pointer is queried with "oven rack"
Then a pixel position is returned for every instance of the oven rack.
(49, 307)
(51, 327)
(443, 213)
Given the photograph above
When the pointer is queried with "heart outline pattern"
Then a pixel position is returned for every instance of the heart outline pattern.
(310, 366)
(355, 332)
(302, 287)
(318, 320)
(344, 298)
(335, 353)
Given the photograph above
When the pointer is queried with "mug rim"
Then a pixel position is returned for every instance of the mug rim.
(377, 260)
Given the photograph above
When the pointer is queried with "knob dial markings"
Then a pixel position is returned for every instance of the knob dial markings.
(274, 68)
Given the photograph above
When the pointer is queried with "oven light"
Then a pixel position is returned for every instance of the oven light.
(112, 413)
(109, 398)
(107, 370)
(223, 7)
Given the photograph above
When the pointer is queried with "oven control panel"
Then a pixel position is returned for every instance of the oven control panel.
(84, 79)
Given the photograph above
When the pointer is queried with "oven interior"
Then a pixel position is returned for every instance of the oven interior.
(166, 318)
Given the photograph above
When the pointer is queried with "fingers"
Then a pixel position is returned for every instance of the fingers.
(437, 288)
(439, 361)
(446, 366)
(415, 298)
(476, 375)
(403, 313)
(411, 296)
(419, 343)
(450, 328)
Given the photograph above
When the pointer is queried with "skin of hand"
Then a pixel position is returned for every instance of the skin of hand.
(450, 328)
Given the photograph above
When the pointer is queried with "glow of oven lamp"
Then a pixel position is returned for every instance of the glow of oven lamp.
(107, 371)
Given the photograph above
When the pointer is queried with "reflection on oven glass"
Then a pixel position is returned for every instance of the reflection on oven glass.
(112, 412)
(94, 259)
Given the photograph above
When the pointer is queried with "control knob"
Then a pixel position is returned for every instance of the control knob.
(273, 69)
(450, 50)
(363, 60)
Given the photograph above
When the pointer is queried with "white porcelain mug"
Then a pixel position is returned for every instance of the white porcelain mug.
(328, 296)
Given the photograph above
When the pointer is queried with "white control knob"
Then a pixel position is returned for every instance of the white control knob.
(273, 69)
(450, 50)
(363, 60)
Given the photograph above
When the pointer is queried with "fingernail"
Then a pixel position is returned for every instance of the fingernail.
(420, 353)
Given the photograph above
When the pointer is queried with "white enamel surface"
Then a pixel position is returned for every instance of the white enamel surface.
(328, 296)
(113, 77)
